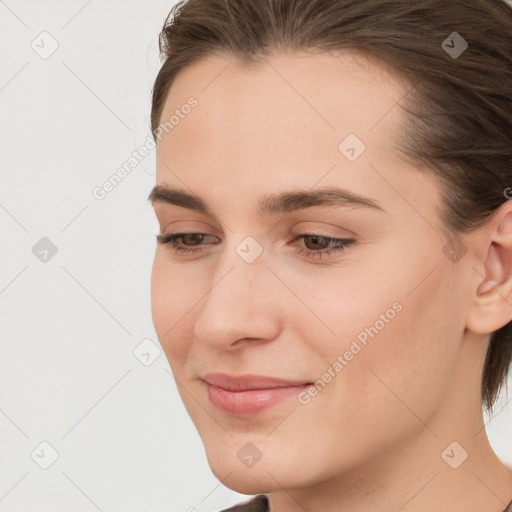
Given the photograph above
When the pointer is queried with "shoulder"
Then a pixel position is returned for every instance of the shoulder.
(257, 504)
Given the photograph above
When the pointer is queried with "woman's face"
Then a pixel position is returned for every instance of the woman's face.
(379, 323)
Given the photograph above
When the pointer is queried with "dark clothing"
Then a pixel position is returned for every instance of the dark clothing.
(257, 504)
(260, 504)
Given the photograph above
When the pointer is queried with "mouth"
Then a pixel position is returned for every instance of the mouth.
(249, 395)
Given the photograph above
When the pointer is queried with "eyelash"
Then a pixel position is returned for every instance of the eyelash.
(343, 243)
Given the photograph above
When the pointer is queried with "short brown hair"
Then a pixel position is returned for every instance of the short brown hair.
(460, 111)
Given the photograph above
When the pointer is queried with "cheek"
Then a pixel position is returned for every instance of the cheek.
(344, 309)
(386, 338)
(173, 296)
(405, 364)
(161, 296)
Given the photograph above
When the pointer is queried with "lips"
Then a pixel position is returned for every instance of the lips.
(249, 395)
(249, 381)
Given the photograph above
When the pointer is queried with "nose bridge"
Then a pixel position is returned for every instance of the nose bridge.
(238, 303)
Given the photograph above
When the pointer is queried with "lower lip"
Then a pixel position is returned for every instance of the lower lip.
(251, 402)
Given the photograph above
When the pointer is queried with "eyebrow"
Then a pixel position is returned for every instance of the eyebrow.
(283, 202)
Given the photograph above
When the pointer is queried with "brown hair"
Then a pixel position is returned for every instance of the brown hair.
(460, 122)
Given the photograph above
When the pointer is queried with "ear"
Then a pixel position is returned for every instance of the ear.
(491, 307)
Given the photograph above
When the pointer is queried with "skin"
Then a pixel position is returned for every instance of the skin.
(372, 439)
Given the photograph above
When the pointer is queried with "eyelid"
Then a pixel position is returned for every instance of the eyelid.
(307, 228)
(170, 214)
(174, 227)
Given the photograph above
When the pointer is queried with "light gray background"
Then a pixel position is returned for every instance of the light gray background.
(69, 325)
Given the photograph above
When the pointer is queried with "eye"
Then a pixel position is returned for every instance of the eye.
(170, 239)
(328, 245)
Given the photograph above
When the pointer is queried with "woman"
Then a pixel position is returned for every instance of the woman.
(332, 281)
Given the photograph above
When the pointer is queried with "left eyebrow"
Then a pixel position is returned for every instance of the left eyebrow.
(283, 202)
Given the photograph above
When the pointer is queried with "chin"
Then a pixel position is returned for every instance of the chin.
(250, 487)
(263, 477)
(247, 482)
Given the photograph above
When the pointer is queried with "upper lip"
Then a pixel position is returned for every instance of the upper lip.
(249, 381)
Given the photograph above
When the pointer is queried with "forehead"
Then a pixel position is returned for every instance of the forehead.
(334, 91)
(281, 122)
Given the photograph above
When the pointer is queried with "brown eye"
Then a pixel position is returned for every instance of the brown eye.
(193, 239)
(328, 245)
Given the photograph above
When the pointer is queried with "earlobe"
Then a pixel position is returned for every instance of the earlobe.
(492, 304)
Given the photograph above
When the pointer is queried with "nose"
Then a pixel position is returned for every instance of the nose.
(243, 303)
